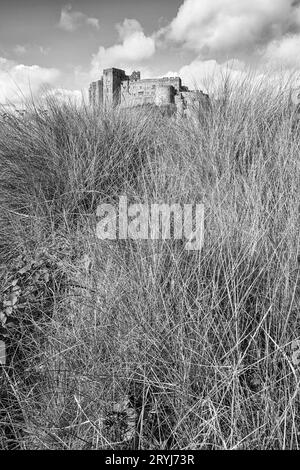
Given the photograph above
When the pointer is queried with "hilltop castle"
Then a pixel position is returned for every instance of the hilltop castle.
(115, 88)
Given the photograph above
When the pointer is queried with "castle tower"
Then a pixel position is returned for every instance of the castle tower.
(112, 79)
(96, 94)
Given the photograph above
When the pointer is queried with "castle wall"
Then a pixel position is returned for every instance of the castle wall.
(141, 92)
(137, 93)
(164, 95)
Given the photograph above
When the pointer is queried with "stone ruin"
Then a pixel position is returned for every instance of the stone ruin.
(115, 88)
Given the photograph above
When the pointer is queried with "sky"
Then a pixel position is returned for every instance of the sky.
(61, 47)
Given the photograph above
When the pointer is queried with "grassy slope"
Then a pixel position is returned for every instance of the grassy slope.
(149, 345)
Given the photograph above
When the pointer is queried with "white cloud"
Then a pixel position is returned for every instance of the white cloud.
(207, 75)
(210, 76)
(18, 81)
(93, 22)
(255, 41)
(128, 28)
(20, 49)
(64, 95)
(71, 20)
(135, 47)
(283, 52)
(44, 50)
(226, 28)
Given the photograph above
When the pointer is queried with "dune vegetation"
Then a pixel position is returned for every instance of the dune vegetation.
(141, 344)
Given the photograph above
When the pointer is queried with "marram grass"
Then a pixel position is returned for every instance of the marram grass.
(142, 344)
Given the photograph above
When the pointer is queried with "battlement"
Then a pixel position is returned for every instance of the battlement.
(115, 88)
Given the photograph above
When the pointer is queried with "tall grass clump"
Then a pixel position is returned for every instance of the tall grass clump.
(141, 344)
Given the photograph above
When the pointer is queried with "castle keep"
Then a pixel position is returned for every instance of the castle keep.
(115, 88)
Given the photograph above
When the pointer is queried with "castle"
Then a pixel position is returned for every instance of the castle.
(115, 88)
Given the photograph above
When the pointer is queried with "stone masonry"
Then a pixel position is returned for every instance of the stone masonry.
(115, 88)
